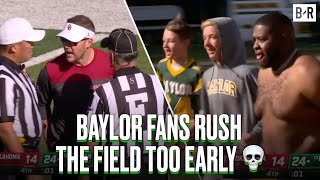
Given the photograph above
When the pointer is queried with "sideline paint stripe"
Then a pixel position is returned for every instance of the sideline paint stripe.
(52, 54)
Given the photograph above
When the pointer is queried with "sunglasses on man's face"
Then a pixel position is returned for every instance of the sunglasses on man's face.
(70, 43)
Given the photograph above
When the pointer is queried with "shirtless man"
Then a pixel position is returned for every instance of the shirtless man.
(288, 88)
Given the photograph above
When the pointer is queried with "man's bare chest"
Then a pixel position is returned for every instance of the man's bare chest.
(270, 88)
(278, 93)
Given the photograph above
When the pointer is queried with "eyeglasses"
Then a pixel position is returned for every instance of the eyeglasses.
(70, 43)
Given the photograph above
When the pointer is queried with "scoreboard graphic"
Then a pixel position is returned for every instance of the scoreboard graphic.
(273, 166)
(280, 166)
(34, 163)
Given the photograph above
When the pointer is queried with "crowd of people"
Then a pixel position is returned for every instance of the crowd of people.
(273, 99)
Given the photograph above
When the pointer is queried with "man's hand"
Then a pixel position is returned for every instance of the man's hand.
(9, 138)
(45, 132)
(254, 137)
(246, 140)
(45, 129)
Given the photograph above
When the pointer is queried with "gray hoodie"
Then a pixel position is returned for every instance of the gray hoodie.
(231, 88)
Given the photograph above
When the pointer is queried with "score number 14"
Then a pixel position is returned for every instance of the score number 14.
(31, 159)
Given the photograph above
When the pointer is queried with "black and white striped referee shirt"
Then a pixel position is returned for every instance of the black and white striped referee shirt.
(18, 100)
(130, 92)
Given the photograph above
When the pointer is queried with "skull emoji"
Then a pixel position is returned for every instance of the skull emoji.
(253, 156)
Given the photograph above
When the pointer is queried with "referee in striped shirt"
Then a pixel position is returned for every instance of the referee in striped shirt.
(20, 121)
(130, 92)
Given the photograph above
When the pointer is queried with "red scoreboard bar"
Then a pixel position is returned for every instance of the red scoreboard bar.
(25, 159)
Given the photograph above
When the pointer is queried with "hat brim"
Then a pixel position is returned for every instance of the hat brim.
(74, 37)
(75, 33)
(35, 35)
(105, 42)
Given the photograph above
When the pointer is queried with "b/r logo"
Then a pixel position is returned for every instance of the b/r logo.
(304, 12)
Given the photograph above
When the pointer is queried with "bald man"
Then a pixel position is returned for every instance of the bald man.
(288, 88)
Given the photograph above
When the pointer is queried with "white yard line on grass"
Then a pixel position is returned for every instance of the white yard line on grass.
(52, 54)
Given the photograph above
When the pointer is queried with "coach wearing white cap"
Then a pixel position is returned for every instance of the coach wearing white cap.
(70, 79)
(20, 120)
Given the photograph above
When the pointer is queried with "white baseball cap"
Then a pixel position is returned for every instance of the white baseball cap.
(75, 33)
(19, 29)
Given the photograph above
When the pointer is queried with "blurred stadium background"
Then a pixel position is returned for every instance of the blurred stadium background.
(152, 15)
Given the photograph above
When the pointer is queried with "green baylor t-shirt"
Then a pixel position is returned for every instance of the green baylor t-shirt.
(181, 86)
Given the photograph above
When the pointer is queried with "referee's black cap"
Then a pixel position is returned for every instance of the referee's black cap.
(121, 41)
